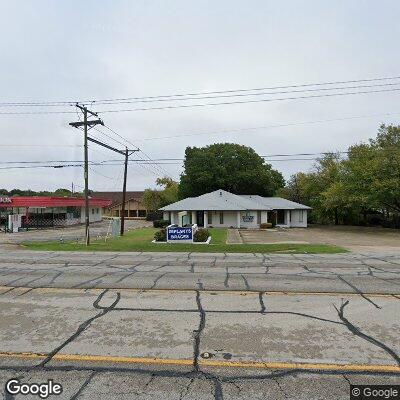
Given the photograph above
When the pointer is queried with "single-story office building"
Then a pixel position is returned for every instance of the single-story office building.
(223, 209)
(41, 212)
(134, 207)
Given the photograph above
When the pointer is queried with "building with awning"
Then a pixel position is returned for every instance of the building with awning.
(41, 212)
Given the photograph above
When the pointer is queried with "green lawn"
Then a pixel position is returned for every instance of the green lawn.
(140, 240)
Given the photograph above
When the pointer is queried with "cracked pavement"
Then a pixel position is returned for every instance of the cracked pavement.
(351, 272)
(200, 326)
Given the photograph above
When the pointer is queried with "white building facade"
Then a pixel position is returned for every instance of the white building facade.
(224, 209)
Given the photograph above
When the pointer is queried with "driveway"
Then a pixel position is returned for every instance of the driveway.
(354, 238)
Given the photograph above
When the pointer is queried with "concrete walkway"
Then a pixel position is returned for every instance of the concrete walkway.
(233, 237)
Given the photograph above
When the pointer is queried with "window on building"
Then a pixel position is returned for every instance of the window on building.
(210, 215)
(221, 217)
(97, 210)
(301, 216)
(92, 210)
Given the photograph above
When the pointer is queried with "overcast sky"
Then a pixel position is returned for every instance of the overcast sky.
(79, 50)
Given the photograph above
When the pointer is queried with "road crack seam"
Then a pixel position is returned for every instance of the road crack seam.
(83, 387)
(197, 333)
(261, 300)
(157, 279)
(82, 327)
(356, 331)
(357, 290)
(226, 281)
(245, 282)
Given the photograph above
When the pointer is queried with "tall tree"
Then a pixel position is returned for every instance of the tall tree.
(347, 190)
(232, 167)
(373, 172)
(155, 199)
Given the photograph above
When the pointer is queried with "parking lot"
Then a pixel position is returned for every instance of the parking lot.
(354, 238)
(77, 232)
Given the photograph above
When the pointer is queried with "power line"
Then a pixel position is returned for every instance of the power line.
(157, 170)
(171, 107)
(107, 162)
(246, 101)
(39, 145)
(269, 126)
(99, 173)
(110, 137)
(231, 130)
(249, 94)
(73, 102)
(230, 95)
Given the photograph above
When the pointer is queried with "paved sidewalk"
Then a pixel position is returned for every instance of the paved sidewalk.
(233, 237)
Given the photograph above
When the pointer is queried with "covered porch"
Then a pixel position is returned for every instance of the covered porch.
(222, 219)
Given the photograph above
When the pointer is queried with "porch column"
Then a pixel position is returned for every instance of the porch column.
(194, 217)
(287, 219)
(238, 219)
(205, 219)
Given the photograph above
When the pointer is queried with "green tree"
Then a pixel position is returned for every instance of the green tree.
(298, 188)
(232, 167)
(322, 189)
(62, 192)
(155, 199)
(348, 190)
(372, 173)
(152, 199)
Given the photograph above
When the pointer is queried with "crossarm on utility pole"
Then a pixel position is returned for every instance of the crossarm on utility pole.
(85, 123)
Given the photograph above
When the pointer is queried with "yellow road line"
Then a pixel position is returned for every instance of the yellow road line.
(209, 363)
(235, 292)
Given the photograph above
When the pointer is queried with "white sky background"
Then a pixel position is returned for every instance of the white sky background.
(77, 50)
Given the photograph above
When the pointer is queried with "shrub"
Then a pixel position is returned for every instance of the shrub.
(161, 235)
(201, 235)
(266, 225)
(161, 223)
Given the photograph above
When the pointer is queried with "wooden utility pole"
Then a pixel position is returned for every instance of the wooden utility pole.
(85, 123)
(126, 153)
(86, 173)
(124, 193)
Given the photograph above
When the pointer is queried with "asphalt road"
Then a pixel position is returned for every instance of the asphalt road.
(199, 326)
(344, 273)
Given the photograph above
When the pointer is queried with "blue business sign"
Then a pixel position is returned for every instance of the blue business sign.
(178, 234)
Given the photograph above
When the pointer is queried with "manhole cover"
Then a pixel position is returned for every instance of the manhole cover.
(206, 355)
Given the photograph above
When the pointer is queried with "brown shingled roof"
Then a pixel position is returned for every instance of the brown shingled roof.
(116, 197)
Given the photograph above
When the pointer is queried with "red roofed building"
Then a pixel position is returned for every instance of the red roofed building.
(39, 212)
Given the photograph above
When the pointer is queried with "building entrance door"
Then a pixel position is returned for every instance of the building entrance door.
(281, 217)
(200, 218)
